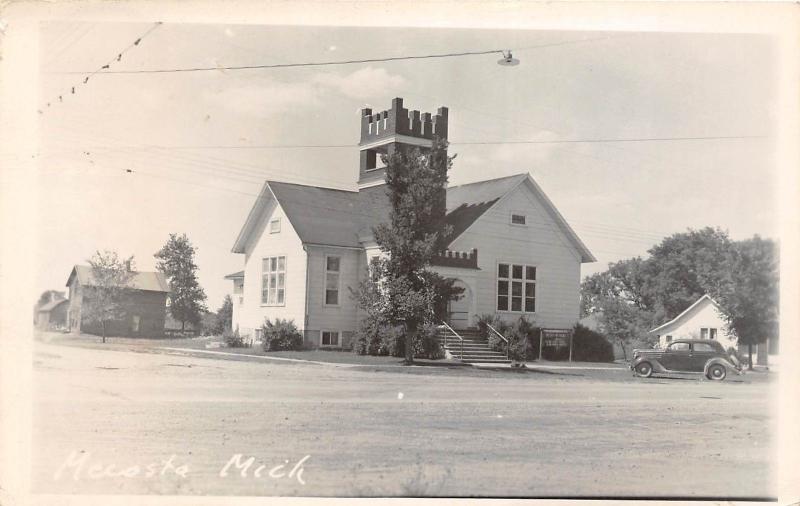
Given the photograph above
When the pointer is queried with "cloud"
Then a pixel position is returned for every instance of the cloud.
(363, 83)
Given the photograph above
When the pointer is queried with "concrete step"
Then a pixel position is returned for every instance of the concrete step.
(479, 355)
(486, 361)
(451, 344)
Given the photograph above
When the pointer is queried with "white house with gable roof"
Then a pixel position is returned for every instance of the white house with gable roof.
(304, 246)
(702, 320)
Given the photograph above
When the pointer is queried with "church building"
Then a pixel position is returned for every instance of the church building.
(304, 246)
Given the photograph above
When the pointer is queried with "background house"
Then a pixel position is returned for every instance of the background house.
(701, 320)
(144, 304)
(52, 315)
(305, 246)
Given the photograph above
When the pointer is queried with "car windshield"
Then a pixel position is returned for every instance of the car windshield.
(679, 347)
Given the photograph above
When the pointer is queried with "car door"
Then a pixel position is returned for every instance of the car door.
(675, 356)
(701, 353)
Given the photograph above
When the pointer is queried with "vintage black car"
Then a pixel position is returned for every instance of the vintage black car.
(686, 355)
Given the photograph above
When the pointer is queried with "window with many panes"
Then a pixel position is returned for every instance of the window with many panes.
(516, 288)
(332, 266)
(273, 281)
(329, 338)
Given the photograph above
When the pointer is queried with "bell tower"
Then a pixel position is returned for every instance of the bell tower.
(386, 131)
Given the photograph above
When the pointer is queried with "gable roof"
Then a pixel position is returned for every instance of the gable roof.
(320, 215)
(44, 308)
(148, 281)
(467, 202)
(704, 298)
(333, 217)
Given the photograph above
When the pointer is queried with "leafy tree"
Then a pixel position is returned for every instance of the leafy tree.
(750, 302)
(684, 267)
(224, 316)
(635, 294)
(623, 322)
(49, 295)
(186, 298)
(401, 290)
(624, 280)
(110, 278)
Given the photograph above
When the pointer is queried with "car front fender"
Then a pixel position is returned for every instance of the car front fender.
(723, 362)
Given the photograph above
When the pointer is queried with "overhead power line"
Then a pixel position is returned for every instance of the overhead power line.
(455, 143)
(502, 52)
(303, 64)
(71, 90)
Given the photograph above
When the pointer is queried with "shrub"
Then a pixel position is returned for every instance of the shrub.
(233, 339)
(366, 340)
(520, 335)
(495, 342)
(428, 343)
(590, 346)
(374, 337)
(281, 335)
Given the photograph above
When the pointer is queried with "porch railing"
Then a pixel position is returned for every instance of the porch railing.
(501, 336)
(453, 333)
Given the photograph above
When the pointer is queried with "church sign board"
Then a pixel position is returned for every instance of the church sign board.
(555, 338)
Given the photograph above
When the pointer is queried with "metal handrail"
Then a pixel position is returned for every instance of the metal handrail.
(448, 327)
(501, 336)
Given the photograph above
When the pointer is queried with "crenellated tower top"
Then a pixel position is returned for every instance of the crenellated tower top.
(385, 131)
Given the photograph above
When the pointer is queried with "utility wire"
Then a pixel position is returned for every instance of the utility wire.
(292, 65)
(455, 143)
(502, 52)
(88, 75)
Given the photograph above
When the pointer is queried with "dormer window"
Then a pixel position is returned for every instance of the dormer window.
(518, 219)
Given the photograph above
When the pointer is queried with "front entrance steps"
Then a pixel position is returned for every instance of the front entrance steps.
(476, 349)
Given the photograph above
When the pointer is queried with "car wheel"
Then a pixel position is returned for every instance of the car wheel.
(717, 372)
(644, 369)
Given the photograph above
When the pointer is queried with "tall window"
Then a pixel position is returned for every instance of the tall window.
(516, 288)
(273, 281)
(332, 266)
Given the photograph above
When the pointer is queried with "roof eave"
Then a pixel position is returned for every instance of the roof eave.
(686, 311)
(516, 185)
(585, 254)
(252, 216)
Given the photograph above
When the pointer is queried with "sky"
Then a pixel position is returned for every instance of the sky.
(200, 144)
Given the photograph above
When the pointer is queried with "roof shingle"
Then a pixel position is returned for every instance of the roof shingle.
(149, 281)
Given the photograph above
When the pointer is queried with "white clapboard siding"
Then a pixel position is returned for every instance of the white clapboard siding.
(344, 316)
(687, 326)
(264, 244)
(539, 243)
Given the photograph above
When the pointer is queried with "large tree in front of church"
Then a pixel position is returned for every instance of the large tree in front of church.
(416, 182)
(186, 297)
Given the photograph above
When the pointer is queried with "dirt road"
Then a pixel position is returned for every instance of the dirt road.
(172, 423)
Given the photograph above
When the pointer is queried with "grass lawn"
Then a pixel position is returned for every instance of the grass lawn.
(202, 342)
(332, 356)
